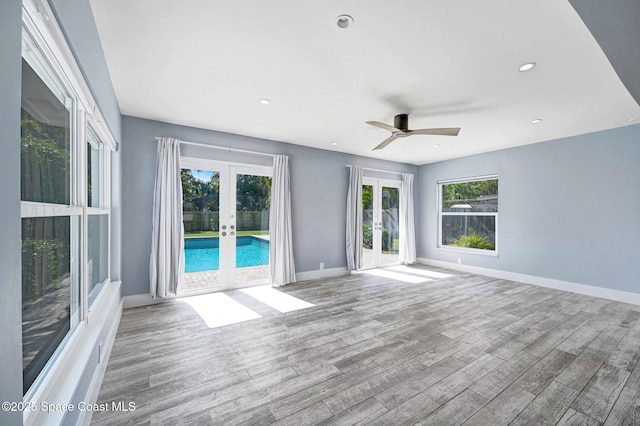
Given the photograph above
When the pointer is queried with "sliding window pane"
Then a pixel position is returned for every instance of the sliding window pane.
(50, 289)
(98, 246)
(45, 139)
(474, 196)
(94, 160)
(97, 154)
(477, 232)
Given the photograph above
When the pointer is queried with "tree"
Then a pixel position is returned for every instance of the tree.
(367, 197)
(464, 192)
(200, 195)
(188, 185)
(253, 193)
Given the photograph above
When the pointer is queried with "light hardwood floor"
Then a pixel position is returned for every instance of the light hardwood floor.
(466, 349)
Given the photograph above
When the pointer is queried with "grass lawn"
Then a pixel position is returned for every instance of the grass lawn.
(216, 233)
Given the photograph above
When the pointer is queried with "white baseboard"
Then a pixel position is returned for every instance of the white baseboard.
(588, 290)
(136, 300)
(321, 273)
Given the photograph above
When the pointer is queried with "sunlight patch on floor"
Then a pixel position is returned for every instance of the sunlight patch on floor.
(278, 300)
(418, 271)
(400, 276)
(218, 309)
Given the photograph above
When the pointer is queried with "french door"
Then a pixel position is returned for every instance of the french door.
(380, 233)
(226, 223)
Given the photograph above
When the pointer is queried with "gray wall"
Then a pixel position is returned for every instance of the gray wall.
(569, 208)
(80, 29)
(319, 181)
(11, 300)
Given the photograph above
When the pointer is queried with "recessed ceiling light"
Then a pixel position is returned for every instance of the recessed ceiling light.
(437, 145)
(536, 120)
(264, 101)
(334, 143)
(526, 67)
(344, 21)
(631, 120)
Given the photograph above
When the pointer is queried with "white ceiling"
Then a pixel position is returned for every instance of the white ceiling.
(451, 63)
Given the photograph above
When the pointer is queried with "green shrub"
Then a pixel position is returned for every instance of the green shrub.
(474, 240)
(367, 236)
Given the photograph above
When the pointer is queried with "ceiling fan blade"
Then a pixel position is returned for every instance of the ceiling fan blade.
(385, 143)
(447, 131)
(384, 126)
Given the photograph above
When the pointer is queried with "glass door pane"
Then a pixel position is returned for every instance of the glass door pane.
(252, 204)
(380, 225)
(390, 230)
(201, 219)
(368, 228)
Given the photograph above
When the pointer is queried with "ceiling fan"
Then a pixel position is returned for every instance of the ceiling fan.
(400, 129)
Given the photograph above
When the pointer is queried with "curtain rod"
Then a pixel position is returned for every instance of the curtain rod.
(224, 148)
(378, 170)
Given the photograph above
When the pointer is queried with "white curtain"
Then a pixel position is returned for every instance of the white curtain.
(281, 266)
(167, 240)
(407, 224)
(354, 219)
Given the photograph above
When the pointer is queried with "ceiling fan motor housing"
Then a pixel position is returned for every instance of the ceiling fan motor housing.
(401, 122)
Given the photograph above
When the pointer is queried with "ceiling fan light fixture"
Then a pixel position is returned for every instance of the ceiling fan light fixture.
(344, 21)
(400, 129)
(527, 67)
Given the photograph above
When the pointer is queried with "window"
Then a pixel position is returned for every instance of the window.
(65, 201)
(98, 218)
(50, 279)
(469, 214)
(46, 141)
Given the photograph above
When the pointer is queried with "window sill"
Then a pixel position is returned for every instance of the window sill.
(490, 253)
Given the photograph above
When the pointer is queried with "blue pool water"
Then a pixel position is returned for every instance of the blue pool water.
(203, 254)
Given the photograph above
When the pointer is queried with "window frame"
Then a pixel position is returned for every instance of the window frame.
(440, 245)
(45, 49)
(36, 58)
(103, 209)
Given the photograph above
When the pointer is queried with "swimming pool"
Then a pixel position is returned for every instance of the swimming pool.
(203, 254)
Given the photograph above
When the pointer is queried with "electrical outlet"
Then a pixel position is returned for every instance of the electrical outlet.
(321, 265)
(460, 260)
